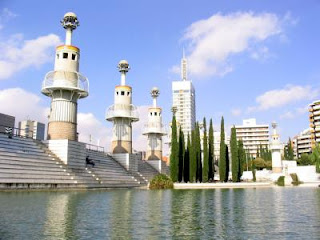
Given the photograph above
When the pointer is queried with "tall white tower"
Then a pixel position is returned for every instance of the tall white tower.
(122, 114)
(183, 97)
(65, 85)
(275, 147)
(154, 129)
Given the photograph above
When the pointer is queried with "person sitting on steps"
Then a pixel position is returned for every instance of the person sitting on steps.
(89, 161)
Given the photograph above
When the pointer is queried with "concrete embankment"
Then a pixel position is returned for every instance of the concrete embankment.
(222, 185)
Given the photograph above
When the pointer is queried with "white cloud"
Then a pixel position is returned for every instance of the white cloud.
(18, 54)
(287, 115)
(23, 105)
(280, 97)
(214, 40)
(5, 15)
(90, 126)
(236, 112)
(295, 113)
(140, 141)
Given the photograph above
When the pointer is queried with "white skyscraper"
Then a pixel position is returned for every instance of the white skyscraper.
(183, 98)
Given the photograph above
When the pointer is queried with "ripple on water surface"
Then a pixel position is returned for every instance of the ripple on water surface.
(272, 213)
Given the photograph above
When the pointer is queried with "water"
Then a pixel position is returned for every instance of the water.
(270, 213)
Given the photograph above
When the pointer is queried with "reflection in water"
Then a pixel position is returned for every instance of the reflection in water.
(274, 213)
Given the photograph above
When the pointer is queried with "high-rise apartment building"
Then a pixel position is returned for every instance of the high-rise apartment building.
(183, 98)
(253, 135)
(314, 118)
(302, 143)
(32, 129)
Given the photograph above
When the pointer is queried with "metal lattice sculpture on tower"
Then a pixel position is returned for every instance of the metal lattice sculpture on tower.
(154, 129)
(122, 114)
(65, 85)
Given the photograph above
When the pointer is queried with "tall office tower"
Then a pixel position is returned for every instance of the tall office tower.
(253, 135)
(154, 129)
(32, 129)
(122, 113)
(314, 118)
(183, 98)
(65, 85)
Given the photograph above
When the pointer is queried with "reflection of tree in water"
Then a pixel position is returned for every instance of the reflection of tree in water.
(186, 214)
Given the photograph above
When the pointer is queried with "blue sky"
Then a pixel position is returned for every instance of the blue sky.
(247, 58)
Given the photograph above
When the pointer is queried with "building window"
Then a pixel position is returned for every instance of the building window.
(122, 93)
(73, 56)
(128, 93)
(57, 55)
(117, 93)
(155, 113)
(65, 55)
(151, 114)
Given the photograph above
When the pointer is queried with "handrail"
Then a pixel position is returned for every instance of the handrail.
(15, 131)
(93, 147)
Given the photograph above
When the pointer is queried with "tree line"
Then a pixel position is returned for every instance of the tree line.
(191, 161)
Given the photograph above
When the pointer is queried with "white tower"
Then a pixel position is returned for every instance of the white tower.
(154, 129)
(275, 149)
(65, 85)
(122, 114)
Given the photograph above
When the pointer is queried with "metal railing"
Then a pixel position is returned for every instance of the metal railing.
(94, 147)
(15, 132)
(62, 79)
(122, 110)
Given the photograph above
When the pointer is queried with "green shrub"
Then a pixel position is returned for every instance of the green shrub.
(259, 163)
(161, 181)
(295, 179)
(280, 181)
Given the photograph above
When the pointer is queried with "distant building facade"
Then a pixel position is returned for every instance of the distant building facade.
(32, 129)
(253, 135)
(6, 121)
(302, 143)
(183, 98)
(314, 118)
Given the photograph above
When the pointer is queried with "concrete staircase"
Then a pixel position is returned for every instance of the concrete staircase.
(110, 173)
(23, 164)
(29, 164)
(146, 170)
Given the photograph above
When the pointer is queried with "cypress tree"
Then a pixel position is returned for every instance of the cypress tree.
(227, 163)
(192, 160)
(186, 162)
(198, 154)
(290, 150)
(205, 168)
(223, 150)
(174, 151)
(211, 152)
(234, 156)
(181, 155)
(242, 158)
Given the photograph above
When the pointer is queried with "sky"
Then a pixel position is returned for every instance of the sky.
(247, 59)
